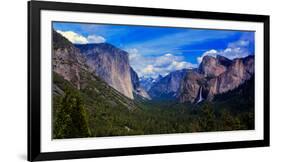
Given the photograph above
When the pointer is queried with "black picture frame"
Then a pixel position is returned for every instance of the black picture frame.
(34, 81)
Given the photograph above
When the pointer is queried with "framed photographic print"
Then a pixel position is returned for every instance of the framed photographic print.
(114, 80)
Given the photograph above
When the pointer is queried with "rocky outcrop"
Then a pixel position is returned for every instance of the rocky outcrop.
(138, 90)
(134, 78)
(67, 60)
(223, 60)
(168, 86)
(237, 73)
(211, 67)
(216, 76)
(142, 93)
(111, 64)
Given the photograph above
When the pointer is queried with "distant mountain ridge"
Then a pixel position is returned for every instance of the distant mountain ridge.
(168, 86)
(147, 82)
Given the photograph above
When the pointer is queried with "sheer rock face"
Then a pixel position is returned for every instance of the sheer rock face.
(239, 71)
(135, 78)
(190, 86)
(216, 76)
(136, 85)
(168, 86)
(67, 60)
(111, 64)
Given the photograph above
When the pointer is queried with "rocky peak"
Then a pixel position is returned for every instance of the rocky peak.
(146, 83)
(168, 86)
(211, 66)
(67, 60)
(159, 77)
(223, 60)
(216, 76)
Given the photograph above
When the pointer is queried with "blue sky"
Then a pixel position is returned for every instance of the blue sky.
(160, 50)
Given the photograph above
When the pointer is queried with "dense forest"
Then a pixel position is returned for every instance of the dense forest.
(98, 110)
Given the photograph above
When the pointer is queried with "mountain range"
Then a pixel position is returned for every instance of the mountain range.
(167, 87)
(147, 82)
(215, 75)
(97, 93)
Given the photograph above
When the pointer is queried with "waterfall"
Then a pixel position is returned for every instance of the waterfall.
(200, 96)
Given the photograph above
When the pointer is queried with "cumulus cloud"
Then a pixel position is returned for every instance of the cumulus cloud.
(149, 69)
(73, 37)
(133, 54)
(154, 65)
(79, 39)
(234, 50)
(95, 39)
(211, 52)
(175, 65)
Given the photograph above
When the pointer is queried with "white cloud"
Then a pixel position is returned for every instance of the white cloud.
(166, 59)
(79, 39)
(73, 37)
(133, 53)
(95, 39)
(234, 50)
(149, 69)
(171, 42)
(153, 66)
(211, 52)
(180, 65)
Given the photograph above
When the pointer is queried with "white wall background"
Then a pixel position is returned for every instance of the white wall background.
(13, 81)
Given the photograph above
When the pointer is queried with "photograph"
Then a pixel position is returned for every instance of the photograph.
(131, 80)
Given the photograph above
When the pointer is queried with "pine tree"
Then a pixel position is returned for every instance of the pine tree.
(71, 117)
(207, 118)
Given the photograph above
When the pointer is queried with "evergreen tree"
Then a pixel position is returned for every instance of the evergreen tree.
(207, 118)
(71, 117)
